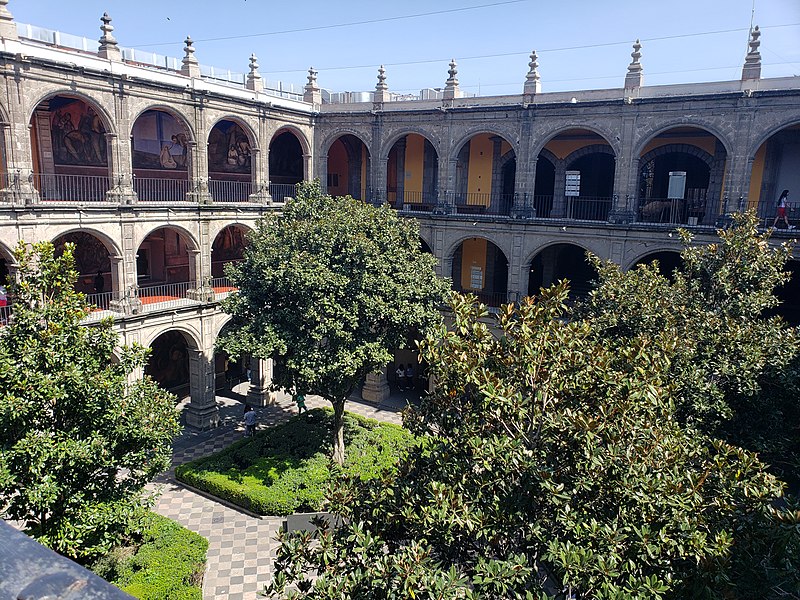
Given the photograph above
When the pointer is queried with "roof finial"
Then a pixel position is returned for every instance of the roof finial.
(752, 62)
(108, 44)
(451, 85)
(191, 67)
(8, 29)
(381, 89)
(533, 83)
(254, 81)
(635, 76)
(312, 92)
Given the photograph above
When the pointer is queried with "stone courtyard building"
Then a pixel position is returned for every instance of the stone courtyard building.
(157, 168)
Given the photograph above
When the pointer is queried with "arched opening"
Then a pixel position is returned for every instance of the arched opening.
(71, 157)
(228, 247)
(229, 373)
(423, 245)
(96, 276)
(481, 268)
(168, 363)
(484, 177)
(668, 262)
(285, 165)
(5, 309)
(165, 268)
(161, 157)
(789, 295)
(348, 168)
(680, 177)
(776, 167)
(562, 261)
(575, 177)
(412, 174)
(230, 176)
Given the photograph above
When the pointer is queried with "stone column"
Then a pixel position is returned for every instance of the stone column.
(376, 387)
(400, 184)
(626, 176)
(559, 210)
(259, 394)
(322, 172)
(260, 162)
(198, 151)
(202, 411)
(496, 188)
(447, 187)
(517, 278)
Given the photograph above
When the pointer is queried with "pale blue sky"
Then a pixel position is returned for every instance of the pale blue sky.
(347, 57)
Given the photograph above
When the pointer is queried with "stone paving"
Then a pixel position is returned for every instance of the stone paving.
(241, 547)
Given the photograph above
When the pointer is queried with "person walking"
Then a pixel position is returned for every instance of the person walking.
(410, 377)
(250, 421)
(781, 214)
(400, 373)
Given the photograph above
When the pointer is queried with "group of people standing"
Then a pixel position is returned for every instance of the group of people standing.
(405, 377)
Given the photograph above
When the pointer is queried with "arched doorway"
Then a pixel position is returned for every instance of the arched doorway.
(285, 165)
(230, 176)
(668, 262)
(348, 168)
(97, 278)
(562, 261)
(412, 174)
(228, 247)
(230, 373)
(168, 363)
(484, 177)
(575, 177)
(481, 268)
(165, 268)
(776, 167)
(71, 157)
(680, 177)
(161, 157)
(424, 246)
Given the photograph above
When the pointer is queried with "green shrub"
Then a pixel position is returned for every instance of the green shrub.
(286, 468)
(166, 563)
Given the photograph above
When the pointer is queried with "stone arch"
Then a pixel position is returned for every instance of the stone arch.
(248, 130)
(183, 119)
(331, 137)
(192, 336)
(188, 237)
(169, 360)
(348, 167)
(412, 171)
(586, 151)
(297, 132)
(167, 267)
(388, 143)
(773, 164)
(109, 242)
(546, 136)
(217, 225)
(480, 267)
(453, 244)
(645, 137)
(558, 260)
(100, 109)
(465, 137)
(672, 256)
(287, 162)
(227, 247)
(684, 148)
(764, 136)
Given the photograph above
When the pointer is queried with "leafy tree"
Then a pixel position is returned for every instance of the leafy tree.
(78, 439)
(329, 288)
(559, 462)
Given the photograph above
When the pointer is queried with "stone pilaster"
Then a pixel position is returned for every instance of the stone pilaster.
(626, 177)
(202, 411)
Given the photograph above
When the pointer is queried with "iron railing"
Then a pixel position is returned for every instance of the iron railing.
(164, 295)
(480, 203)
(281, 191)
(413, 201)
(102, 300)
(5, 314)
(156, 189)
(230, 190)
(543, 205)
(492, 299)
(670, 210)
(768, 211)
(53, 187)
(588, 208)
(222, 286)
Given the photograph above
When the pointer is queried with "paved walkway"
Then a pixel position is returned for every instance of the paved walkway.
(241, 548)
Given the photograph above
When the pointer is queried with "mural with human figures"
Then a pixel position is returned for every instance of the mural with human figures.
(77, 132)
(159, 142)
(228, 149)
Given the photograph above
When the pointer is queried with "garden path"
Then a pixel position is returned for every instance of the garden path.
(241, 548)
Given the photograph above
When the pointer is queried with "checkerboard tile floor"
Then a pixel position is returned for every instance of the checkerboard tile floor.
(241, 548)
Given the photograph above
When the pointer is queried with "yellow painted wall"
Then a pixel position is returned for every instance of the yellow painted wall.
(415, 151)
(473, 255)
(563, 148)
(480, 168)
(705, 143)
(757, 177)
(364, 172)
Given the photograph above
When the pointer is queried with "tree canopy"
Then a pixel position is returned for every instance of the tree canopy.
(79, 438)
(565, 454)
(329, 288)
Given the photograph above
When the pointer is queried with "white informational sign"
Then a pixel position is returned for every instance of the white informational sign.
(573, 187)
(677, 185)
(476, 278)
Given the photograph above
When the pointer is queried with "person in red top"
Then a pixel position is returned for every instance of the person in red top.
(782, 210)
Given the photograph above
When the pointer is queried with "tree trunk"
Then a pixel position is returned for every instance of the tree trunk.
(338, 431)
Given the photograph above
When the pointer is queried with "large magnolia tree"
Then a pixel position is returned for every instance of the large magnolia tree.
(79, 439)
(329, 288)
(572, 456)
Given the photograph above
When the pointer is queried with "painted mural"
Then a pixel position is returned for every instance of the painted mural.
(159, 142)
(228, 149)
(78, 133)
(168, 362)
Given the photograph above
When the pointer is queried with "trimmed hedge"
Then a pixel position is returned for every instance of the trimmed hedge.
(286, 468)
(168, 564)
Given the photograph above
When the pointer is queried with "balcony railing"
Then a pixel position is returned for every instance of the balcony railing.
(156, 189)
(230, 191)
(222, 286)
(671, 210)
(281, 191)
(491, 299)
(165, 295)
(588, 208)
(479, 203)
(5, 314)
(412, 201)
(102, 301)
(71, 188)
